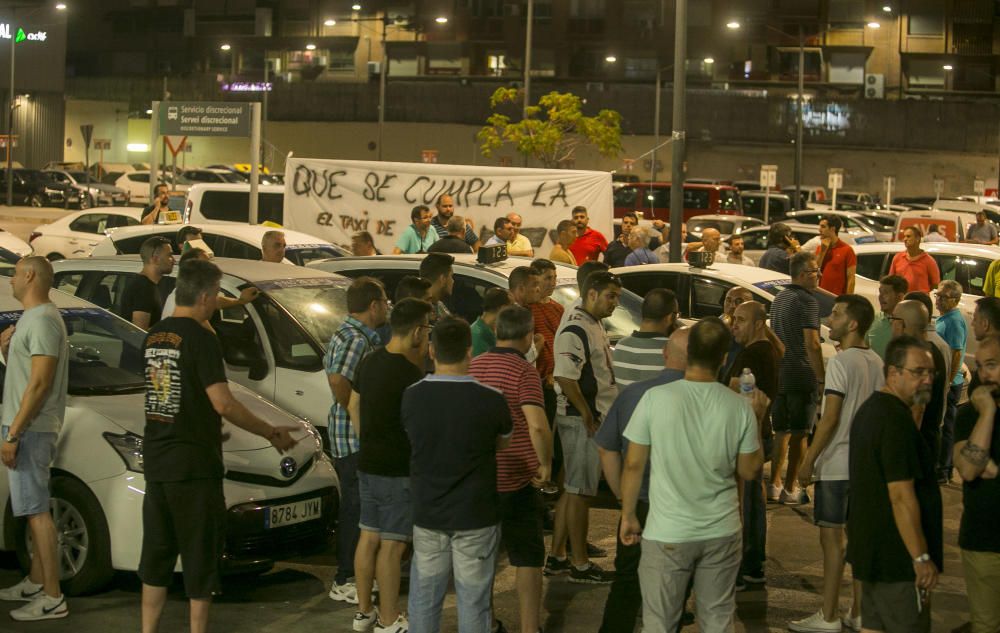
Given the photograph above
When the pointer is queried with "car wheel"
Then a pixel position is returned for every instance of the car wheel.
(85, 202)
(54, 257)
(82, 536)
(36, 200)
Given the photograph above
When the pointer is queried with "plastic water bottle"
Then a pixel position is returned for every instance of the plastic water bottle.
(747, 382)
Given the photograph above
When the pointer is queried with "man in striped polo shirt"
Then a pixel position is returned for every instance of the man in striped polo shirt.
(527, 460)
(640, 356)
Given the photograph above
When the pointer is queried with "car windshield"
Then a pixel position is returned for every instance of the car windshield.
(319, 305)
(79, 176)
(105, 352)
(626, 318)
(697, 226)
(302, 254)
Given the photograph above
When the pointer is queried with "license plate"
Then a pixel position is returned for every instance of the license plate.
(292, 513)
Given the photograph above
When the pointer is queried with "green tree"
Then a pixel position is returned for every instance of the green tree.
(552, 130)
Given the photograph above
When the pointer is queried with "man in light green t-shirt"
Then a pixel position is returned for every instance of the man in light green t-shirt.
(697, 436)
(891, 290)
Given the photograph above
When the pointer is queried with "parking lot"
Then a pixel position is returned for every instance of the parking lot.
(292, 597)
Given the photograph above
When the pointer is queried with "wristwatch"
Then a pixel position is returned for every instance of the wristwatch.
(923, 558)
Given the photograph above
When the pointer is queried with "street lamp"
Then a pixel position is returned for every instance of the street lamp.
(732, 25)
(441, 19)
(948, 67)
(887, 9)
(355, 7)
(611, 59)
(225, 47)
(330, 23)
(61, 6)
(709, 60)
(874, 25)
(310, 47)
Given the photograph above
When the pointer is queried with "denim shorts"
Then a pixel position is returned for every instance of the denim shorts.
(794, 412)
(831, 503)
(385, 506)
(29, 479)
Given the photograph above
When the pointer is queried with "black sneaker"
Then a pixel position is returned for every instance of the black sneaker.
(592, 575)
(593, 551)
(554, 566)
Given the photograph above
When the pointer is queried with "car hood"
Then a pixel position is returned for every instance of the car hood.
(103, 187)
(125, 411)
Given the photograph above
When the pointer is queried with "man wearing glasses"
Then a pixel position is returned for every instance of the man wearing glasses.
(894, 531)
(795, 319)
(953, 329)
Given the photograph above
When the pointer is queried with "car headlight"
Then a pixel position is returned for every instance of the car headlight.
(129, 448)
(317, 439)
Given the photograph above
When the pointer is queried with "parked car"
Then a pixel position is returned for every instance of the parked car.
(753, 205)
(653, 200)
(727, 225)
(856, 225)
(76, 234)
(231, 203)
(965, 263)
(277, 505)
(752, 185)
(472, 280)
(32, 188)
(136, 183)
(212, 175)
(273, 346)
(91, 193)
(811, 195)
(239, 241)
(951, 224)
(13, 244)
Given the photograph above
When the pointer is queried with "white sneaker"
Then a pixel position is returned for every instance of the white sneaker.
(347, 592)
(399, 626)
(794, 498)
(44, 607)
(364, 621)
(24, 591)
(773, 492)
(853, 624)
(815, 623)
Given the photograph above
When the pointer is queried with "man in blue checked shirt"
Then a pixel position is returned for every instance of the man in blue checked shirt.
(356, 337)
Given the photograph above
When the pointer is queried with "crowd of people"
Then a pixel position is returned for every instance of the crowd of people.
(678, 421)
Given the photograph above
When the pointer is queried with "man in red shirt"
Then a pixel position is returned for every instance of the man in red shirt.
(836, 259)
(914, 264)
(589, 243)
(524, 464)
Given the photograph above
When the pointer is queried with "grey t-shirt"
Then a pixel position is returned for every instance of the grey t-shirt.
(984, 233)
(40, 332)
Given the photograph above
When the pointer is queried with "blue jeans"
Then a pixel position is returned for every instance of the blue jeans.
(948, 431)
(469, 554)
(348, 516)
(754, 528)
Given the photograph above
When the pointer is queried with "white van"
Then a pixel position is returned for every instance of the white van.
(218, 202)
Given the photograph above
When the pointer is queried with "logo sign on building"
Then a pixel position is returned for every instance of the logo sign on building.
(20, 35)
(204, 118)
(247, 86)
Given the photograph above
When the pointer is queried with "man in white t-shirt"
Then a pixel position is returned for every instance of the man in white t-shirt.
(851, 377)
(693, 528)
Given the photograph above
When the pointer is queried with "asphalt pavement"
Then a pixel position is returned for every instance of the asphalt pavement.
(293, 596)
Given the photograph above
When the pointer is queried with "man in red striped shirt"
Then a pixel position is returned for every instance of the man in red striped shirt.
(527, 462)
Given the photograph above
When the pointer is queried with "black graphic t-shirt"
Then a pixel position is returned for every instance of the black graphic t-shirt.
(183, 437)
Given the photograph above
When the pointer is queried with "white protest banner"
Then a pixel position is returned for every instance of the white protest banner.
(334, 199)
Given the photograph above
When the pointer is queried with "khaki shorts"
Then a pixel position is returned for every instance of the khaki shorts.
(582, 463)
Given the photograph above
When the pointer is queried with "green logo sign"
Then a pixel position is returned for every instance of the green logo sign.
(20, 37)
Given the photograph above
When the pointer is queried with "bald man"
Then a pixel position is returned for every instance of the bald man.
(758, 354)
(518, 244)
(912, 318)
(34, 405)
(711, 242)
(625, 600)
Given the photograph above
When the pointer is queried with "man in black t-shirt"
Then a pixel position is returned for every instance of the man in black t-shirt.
(894, 529)
(183, 511)
(143, 303)
(976, 454)
(455, 426)
(386, 520)
(757, 353)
